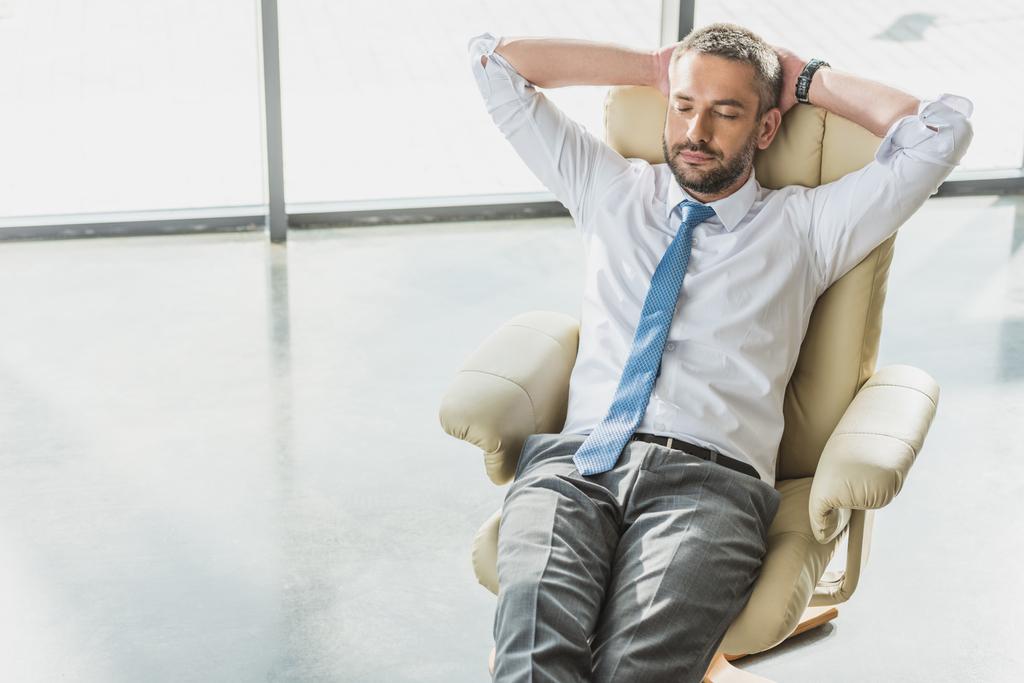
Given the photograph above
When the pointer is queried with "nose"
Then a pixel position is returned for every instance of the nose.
(699, 130)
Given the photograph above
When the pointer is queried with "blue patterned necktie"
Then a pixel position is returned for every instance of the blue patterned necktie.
(603, 446)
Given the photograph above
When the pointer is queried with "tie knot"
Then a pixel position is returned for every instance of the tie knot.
(695, 213)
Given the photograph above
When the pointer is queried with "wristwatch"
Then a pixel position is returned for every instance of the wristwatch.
(803, 81)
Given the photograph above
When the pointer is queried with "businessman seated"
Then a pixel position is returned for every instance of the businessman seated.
(631, 540)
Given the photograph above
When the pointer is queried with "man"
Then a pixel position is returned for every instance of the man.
(630, 541)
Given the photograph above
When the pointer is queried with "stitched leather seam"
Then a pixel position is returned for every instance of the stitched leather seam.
(902, 386)
(534, 329)
(864, 328)
(529, 398)
(889, 436)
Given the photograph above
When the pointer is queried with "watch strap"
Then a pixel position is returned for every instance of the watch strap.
(803, 81)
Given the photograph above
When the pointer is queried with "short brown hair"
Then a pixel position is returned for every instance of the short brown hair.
(741, 45)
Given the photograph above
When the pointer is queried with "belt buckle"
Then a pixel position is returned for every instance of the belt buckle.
(668, 443)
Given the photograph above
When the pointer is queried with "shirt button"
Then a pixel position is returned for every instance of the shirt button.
(670, 346)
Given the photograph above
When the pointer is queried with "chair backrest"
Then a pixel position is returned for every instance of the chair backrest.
(838, 353)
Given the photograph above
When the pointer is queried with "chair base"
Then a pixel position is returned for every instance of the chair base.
(721, 671)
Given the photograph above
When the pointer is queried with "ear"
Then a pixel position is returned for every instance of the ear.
(768, 127)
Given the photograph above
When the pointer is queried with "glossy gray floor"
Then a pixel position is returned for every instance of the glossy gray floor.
(222, 461)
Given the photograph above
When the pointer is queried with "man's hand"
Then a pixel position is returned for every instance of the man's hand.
(792, 65)
(662, 57)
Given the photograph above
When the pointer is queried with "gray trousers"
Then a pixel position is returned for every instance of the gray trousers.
(633, 574)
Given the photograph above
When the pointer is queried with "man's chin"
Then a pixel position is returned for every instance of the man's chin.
(692, 182)
(696, 187)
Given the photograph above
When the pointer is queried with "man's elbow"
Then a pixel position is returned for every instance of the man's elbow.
(959, 132)
(950, 116)
(963, 133)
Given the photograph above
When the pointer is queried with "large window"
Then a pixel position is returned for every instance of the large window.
(147, 105)
(379, 101)
(123, 105)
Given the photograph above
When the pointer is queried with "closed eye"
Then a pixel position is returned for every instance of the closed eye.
(724, 116)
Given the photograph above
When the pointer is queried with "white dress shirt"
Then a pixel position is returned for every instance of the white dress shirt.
(756, 267)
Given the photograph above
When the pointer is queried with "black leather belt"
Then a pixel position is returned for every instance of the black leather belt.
(700, 452)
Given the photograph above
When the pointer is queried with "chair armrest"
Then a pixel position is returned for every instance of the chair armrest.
(515, 384)
(868, 455)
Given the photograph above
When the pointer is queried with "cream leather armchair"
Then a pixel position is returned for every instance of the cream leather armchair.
(851, 432)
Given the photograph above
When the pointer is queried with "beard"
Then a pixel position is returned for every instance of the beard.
(716, 179)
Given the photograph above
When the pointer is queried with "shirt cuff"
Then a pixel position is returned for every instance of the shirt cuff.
(912, 136)
(482, 44)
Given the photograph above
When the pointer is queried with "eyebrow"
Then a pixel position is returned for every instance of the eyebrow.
(733, 103)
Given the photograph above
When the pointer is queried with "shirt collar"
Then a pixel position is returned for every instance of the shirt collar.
(729, 210)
